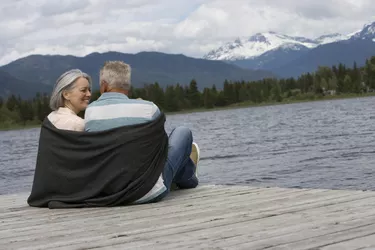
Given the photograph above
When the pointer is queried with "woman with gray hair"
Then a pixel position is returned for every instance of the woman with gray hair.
(70, 96)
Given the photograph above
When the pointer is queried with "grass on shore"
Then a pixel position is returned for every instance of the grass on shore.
(14, 126)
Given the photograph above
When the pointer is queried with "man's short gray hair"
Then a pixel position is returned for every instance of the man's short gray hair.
(65, 82)
(117, 74)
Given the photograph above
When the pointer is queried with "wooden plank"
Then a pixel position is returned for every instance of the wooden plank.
(260, 229)
(208, 217)
(139, 217)
(365, 242)
(140, 220)
(105, 211)
(186, 226)
(14, 200)
(188, 196)
(315, 242)
(156, 209)
(283, 225)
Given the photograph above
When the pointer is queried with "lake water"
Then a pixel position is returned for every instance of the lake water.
(327, 144)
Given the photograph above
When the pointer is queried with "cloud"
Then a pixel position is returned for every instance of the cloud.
(194, 27)
(51, 8)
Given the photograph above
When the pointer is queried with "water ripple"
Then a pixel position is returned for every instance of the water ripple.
(328, 144)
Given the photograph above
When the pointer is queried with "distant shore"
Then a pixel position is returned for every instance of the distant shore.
(285, 101)
(8, 127)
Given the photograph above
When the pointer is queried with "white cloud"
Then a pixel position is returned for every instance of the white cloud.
(80, 27)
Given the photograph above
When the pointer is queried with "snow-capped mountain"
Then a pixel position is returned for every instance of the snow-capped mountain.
(244, 48)
(291, 56)
(358, 48)
(367, 33)
(260, 43)
(331, 38)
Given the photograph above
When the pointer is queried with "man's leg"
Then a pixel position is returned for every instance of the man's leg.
(179, 168)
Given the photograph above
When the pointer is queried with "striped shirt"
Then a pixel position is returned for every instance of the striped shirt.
(115, 110)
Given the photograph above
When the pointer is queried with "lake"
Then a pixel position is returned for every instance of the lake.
(325, 144)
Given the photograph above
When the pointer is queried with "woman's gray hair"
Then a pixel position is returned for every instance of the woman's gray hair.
(65, 83)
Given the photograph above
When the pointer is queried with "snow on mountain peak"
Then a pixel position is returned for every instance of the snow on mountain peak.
(260, 43)
(259, 37)
(368, 32)
(331, 38)
(243, 48)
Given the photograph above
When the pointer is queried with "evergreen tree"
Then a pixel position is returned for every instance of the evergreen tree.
(45, 107)
(39, 107)
(276, 92)
(324, 84)
(207, 98)
(170, 101)
(369, 75)
(347, 83)
(332, 83)
(214, 93)
(194, 95)
(227, 93)
(356, 85)
(26, 111)
(158, 95)
(12, 103)
(182, 102)
(318, 89)
(243, 94)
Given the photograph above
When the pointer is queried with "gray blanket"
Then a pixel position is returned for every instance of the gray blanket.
(91, 169)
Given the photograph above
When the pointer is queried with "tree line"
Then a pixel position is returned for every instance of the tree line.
(335, 80)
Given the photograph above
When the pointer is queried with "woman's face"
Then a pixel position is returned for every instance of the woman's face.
(79, 96)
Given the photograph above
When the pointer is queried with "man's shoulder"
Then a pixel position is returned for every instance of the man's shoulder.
(141, 101)
(120, 102)
(127, 108)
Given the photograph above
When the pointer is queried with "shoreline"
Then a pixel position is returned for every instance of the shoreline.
(229, 107)
(18, 127)
(242, 105)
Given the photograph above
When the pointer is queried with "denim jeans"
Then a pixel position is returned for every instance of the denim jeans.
(179, 168)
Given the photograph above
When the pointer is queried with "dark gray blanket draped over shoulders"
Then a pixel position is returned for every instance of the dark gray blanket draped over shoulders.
(90, 169)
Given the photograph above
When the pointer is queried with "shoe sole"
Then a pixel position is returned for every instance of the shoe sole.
(195, 155)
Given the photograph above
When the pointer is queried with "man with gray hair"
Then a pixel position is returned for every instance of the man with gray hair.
(114, 109)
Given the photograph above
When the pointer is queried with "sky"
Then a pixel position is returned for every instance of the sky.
(189, 27)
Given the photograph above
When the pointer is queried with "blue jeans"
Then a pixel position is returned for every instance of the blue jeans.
(179, 168)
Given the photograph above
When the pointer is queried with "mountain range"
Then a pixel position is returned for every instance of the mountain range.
(260, 56)
(147, 68)
(26, 89)
(291, 56)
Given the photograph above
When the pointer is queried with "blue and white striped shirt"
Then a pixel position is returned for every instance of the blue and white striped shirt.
(115, 110)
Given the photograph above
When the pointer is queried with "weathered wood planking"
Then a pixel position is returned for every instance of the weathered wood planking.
(209, 217)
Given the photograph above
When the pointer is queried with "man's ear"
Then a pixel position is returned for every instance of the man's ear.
(103, 87)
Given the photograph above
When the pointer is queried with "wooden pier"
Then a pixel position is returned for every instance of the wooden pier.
(209, 217)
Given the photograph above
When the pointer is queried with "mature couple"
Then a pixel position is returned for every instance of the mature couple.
(118, 154)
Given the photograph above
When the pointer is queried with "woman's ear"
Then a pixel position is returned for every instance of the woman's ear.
(66, 95)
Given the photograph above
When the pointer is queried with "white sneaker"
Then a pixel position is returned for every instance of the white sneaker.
(195, 155)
